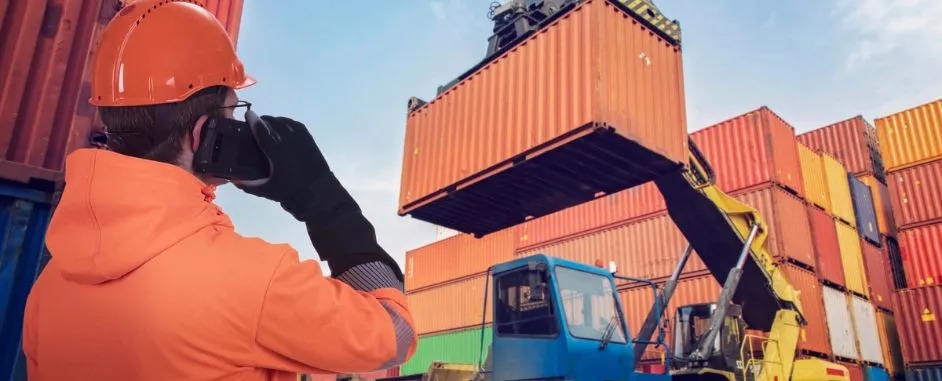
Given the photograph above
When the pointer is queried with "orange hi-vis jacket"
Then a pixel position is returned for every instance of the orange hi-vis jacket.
(149, 281)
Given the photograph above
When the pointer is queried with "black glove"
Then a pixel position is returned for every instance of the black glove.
(301, 181)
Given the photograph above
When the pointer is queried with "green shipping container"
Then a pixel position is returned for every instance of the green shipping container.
(459, 347)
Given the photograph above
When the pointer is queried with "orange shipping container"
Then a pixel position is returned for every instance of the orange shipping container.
(752, 149)
(912, 136)
(571, 111)
(812, 174)
(915, 194)
(851, 259)
(450, 306)
(648, 248)
(827, 250)
(876, 269)
(815, 337)
(882, 205)
(842, 205)
(889, 341)
(787, 218)
(919, 324)
(456, 257)
(618, 208)
(920, 250)
(44, 86)
(853, 142)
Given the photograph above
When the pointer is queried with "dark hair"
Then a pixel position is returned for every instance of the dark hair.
(156, 132)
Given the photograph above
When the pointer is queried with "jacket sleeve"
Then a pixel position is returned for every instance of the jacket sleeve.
(359, 322)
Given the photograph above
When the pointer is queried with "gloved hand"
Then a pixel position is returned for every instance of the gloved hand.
(301, 181)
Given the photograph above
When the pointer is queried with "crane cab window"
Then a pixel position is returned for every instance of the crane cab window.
(524, 305)
(588, 301)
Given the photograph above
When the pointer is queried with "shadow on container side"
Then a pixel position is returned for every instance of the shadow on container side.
(24, 216)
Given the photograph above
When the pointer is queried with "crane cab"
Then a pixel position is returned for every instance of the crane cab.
(555, 319)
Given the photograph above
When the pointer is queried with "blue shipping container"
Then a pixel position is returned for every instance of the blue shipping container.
(872, 373)
(929, 373)
(862, 197)
(24, 216)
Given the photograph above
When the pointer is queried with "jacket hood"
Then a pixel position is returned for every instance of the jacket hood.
(118, 212)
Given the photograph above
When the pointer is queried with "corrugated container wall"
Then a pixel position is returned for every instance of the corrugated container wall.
(889, 337)
(856, 372)
(853, 142)
(842, 205)
(837, 311)
(450, 306)
(878, 276)
(911, 136)
(865, 327)
(882, 205)
(919, 249)
(828, 263)
(914, 193)
(456, 257)
(790, 233)
(44, 54)
(812, 303)
(873, 373)
(924, 373)
(812, 174)
(648, 248)
(866, 215)
(463, 347)
(628, 204)
(919, 321)
(569, 112)
(851, 260)
(752, 149)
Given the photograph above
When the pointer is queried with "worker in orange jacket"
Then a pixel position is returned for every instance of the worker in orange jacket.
(149, 281)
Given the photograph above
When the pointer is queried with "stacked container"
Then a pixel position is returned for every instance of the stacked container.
(912, 145)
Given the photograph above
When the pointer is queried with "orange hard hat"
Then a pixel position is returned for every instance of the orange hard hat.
(163, 51)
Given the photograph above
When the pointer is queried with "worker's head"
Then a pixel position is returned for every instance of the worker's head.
(161, 68)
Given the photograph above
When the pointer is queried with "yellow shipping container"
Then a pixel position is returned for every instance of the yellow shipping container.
(855, 278)
(911, 137)
(882, 205)
(812, 174)
(889, 341)
(842, 206)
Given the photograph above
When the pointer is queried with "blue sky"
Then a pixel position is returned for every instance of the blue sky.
(347, 68)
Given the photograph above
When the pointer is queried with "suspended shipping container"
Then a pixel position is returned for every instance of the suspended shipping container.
(842, 204)
(853, 142)
(889, 337)
(828, 264)
(648, 248)
(866, 215)
(787, 218)
(924, 373)
(568, 113)
(878, 278)
(44, 73)
(450, 306)
(911, 136)
(915, 194)
(752, 149)
(812, 174)
(841, 332)
(851, 260)
(920, 250)
(457, 257)
(919, 321)
(463, 346)
(629, 204)
(24, 216)
(881, 205)
(865, 328)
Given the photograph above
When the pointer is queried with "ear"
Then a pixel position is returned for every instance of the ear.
(197, 131)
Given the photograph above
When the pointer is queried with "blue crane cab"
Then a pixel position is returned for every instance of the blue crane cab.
(555, 319)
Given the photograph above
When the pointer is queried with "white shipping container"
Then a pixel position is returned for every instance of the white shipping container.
(868, 335)
(840, 327)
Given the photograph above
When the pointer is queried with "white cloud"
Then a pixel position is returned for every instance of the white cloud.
(882, 30)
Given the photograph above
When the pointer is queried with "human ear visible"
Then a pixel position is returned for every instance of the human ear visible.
(197, 130)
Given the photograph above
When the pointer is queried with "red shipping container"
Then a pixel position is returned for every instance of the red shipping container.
(919, 324)
(878, 275)
(752, 149)
(569, 112)
(856, 372)
(618, 208)
(815, 337)
(853, 142)
(44, 54)
(919, 249)
(787, 218)
(457, 257)
(915, 194)
(827, 250)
